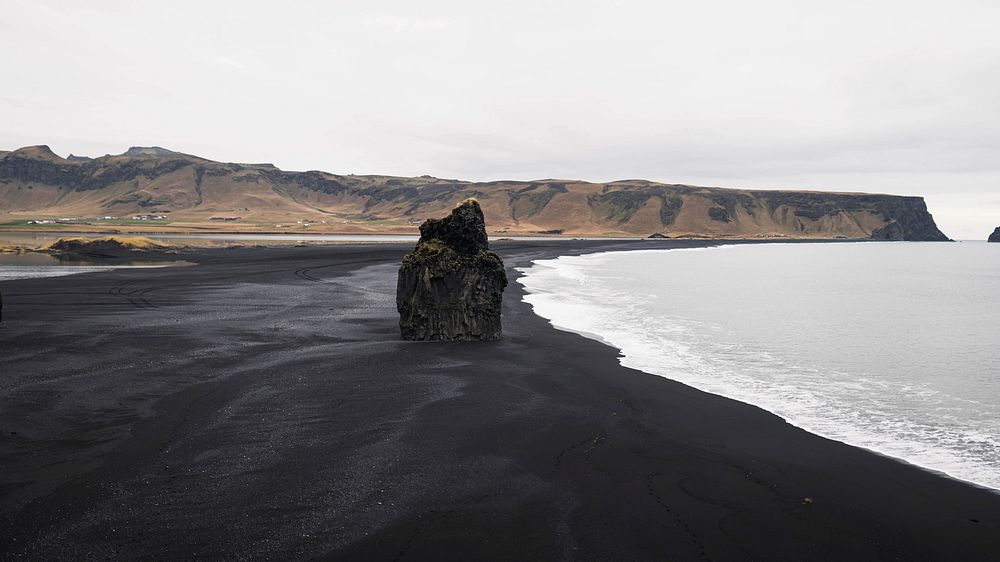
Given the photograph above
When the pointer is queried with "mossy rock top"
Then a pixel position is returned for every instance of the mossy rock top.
(464, 230)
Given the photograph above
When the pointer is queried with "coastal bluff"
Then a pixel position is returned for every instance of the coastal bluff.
(155, 189)
(995, 237)
(451, 286)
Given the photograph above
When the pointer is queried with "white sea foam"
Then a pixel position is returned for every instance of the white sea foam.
(631, 301)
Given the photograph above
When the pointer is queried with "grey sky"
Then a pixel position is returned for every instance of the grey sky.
(884, 96)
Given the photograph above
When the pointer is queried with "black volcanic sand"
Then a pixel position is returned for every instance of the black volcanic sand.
(261, 405)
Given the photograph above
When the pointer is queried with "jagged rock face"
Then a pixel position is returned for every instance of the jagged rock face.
(995, 237)
(910, 213)
(464, 230)
(451, 286)
(891, 231)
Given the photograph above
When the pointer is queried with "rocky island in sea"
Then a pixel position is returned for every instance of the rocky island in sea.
(995, 237)
(451, 286)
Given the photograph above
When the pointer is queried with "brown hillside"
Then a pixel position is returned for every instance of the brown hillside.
(198, 194)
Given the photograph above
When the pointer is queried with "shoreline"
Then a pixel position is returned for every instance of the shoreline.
(597, 337)
(414, 233)
(332, 438)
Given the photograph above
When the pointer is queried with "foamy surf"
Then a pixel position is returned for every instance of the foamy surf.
(648, 305)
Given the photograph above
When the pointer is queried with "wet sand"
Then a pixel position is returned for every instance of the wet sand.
(260, 405)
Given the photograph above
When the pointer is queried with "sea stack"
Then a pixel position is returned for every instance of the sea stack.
(451, 285)
(995, 237)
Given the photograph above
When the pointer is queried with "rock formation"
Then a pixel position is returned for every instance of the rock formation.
(110, 246)
(451, 286)
(995, 237)
(891, 231)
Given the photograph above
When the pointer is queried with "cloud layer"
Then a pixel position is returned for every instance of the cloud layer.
(888, 96)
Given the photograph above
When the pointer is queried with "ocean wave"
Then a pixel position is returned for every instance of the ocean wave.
(594, 296)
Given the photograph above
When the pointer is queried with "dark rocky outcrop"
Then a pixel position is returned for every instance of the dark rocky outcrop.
(891, 231)
(995, 237)
(451, 286)
(107, 247)
(906, 217)
(719, 214)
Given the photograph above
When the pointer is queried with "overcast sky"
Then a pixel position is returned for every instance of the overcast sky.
(878, 95)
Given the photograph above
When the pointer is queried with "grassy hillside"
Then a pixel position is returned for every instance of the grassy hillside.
(187, 193)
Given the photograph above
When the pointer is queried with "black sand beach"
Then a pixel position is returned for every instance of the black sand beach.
(260, 405)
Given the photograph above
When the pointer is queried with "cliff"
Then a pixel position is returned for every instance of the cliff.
(191, 191)
(995, 237)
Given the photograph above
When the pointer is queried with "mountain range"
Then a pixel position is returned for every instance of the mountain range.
(182, 192)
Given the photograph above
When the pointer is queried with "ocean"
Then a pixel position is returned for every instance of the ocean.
(894, 347)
